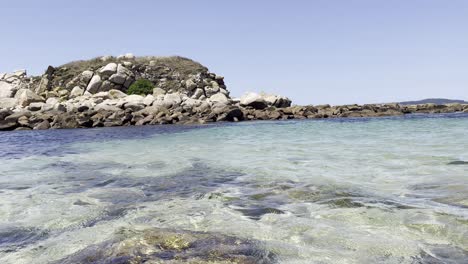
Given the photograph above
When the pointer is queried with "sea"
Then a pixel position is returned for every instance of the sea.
(345, 190)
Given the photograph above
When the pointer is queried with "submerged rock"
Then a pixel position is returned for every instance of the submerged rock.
(170, 246)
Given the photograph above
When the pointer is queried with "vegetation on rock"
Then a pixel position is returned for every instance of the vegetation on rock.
(141, 87)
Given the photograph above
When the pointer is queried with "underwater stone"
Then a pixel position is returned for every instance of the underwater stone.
(172, 246)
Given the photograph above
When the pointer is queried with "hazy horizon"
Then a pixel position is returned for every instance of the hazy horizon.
(315, 52)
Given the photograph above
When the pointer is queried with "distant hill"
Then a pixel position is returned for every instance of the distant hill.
(434, 101)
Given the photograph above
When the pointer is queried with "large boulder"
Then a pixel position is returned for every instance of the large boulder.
(105, 106)
(172, 99)
(8, 103)
(86, 76)
(263, 100)
(8, 124)
(65, 120)
(7, 90)
(116, 94)
(102, 95)
(118, 78)
(148, 100)
(17, 75)
(226, 112)
(191, 103)
(109, 69)
(107, 86)
(158, 91)
(26, 96)
(253, 100)
(219, 98)
(94, 84)
(35, 106)
(76, 91)
(51, 103)
(134, 98)
(11, 82)
(124, 71)
(190, 84)
(17, 115)
(42, 125)
(277, 100)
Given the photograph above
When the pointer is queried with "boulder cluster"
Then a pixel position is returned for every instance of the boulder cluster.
(93, 93)
(351, 111)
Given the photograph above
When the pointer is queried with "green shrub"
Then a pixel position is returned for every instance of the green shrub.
(141, 87)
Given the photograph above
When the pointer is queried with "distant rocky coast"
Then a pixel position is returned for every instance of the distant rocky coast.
(98, 93)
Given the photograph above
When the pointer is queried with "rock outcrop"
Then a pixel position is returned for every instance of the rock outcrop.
(93, 93)
(262, 100)
(10, 83)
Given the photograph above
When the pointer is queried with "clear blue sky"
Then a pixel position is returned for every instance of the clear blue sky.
(327, 51)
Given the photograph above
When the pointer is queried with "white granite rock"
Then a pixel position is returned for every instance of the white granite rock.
(8, 103)
(109, 69)
(26, 96)
(76, 91)
(94, 84)
(220, 98)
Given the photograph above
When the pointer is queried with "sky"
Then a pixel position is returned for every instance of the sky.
(313, 51)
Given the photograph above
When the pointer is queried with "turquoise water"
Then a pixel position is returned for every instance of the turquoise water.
(383, 190)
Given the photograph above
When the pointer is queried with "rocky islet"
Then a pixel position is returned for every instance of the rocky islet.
(92, 93)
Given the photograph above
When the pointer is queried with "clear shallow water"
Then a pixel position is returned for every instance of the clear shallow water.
(387, 190)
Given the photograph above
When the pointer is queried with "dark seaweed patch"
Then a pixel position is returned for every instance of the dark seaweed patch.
(343, 203)
(105, 183)
(13, 238)
(458, 162)
(256, 213)
(82, 203)
(108, 215)
(196, 180)
(125, 193)
(392, 204)
(14, 187)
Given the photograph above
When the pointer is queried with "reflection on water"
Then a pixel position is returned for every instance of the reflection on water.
(390, 190)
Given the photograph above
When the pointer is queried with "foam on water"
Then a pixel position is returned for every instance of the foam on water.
(390, 190)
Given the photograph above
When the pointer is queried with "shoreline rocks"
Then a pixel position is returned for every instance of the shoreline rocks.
(92, 93)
